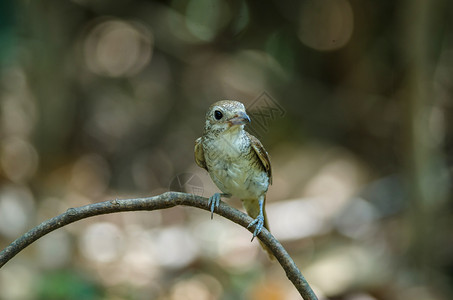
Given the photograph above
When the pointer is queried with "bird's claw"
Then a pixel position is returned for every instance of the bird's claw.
(259, 221)
(214, 202)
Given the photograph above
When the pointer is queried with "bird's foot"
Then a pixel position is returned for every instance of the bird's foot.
(214, 201)
(259, 221)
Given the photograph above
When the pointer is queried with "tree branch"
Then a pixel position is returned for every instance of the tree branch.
(166, 200)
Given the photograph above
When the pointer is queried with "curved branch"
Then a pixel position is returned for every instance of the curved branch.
(166, 200)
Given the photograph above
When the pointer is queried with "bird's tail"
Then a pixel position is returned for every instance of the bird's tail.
(253, 210)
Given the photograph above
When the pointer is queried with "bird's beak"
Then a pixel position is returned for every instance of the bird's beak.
(240, 118)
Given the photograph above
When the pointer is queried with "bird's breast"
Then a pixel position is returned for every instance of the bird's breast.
(235, 168)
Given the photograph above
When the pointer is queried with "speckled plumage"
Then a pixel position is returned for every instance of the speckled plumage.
(236, 160)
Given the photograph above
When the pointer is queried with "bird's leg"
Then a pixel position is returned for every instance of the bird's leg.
(214, 201)
(259, 221)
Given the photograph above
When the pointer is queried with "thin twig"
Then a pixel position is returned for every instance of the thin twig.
(166, 200)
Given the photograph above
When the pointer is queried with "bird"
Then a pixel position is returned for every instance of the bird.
(236, 161)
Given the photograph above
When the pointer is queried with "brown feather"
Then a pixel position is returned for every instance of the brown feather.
(262, 154)
(199, 154)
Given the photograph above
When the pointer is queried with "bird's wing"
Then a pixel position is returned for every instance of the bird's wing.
(199, 154)
(262, 154)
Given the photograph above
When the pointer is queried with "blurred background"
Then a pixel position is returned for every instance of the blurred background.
(352, 99)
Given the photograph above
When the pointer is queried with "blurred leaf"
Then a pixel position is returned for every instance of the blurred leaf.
(68, 285)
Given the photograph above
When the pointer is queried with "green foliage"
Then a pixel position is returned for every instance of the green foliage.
(68, 285)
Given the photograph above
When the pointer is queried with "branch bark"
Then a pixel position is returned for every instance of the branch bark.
(166, 200)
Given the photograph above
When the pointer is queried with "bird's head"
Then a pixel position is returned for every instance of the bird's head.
(225, 115)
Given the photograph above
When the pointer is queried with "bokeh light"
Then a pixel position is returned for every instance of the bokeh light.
(117, 48)
(326, 25)
(16, 207)
(174, 247)
(102, 242)
(18, 159)
(206, 18)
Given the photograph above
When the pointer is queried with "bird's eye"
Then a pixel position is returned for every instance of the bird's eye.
(218, 115)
